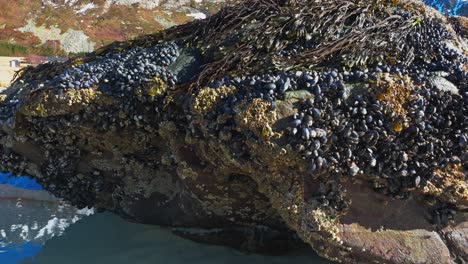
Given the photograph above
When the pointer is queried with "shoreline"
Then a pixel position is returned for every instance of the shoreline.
(6, 72)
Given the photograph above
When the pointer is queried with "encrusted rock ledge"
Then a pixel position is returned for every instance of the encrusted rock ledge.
(340, 124)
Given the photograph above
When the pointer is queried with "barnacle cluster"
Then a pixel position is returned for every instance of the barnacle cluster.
(88, 93)
(387, 121)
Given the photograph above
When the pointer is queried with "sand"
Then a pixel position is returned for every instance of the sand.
(6, 72)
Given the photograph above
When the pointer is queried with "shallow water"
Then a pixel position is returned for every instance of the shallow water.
(105, 238)
(36, 228)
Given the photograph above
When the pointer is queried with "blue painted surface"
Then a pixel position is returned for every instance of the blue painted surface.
(14, 254)
(458, 6)
(435, 4)
(19, 182)
(449, 7)
(17, 253)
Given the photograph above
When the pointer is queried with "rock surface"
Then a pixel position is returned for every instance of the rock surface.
(264, 127)
(60, 27)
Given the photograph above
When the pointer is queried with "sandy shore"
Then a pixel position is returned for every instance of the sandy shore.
(6, 72)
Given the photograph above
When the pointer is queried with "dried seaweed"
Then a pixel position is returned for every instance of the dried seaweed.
(357, 31)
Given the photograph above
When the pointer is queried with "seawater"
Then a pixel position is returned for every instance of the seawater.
(36, 228)
(107, 239)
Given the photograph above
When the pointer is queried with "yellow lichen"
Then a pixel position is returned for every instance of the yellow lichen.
(78, 62)
(39, 109)
(325, 224)
(155, 87)
(82, 96)
(393, 91)
(321, 219)
(36, 107)
(69, 102)
(448, 184)
(184, 171)
(208, 98)
(258, 117)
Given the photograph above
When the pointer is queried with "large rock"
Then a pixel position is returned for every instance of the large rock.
(263, 127)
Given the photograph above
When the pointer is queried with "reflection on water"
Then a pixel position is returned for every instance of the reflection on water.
(37, 228)
(29, 217)
(30, 220)
(105, 238)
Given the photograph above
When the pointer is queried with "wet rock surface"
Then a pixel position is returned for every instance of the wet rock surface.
(339, 124)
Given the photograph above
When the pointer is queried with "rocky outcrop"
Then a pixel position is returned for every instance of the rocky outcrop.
(71, 41)
(60, 27)
(339, 124)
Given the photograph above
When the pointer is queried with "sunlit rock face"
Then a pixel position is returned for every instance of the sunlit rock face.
(60, 27)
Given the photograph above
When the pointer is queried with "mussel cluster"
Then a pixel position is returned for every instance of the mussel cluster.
(344, 129)
(118, 75)
(123, 71)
